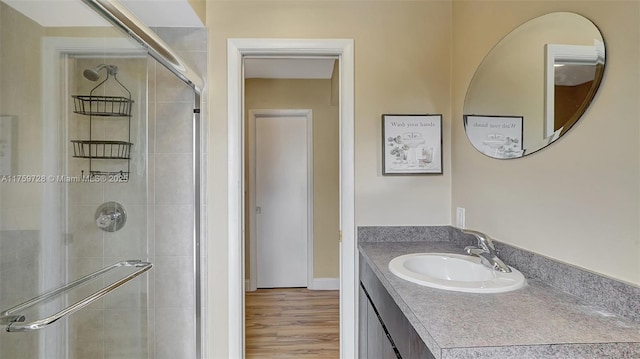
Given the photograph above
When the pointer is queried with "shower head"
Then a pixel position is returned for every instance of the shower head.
(93, 74)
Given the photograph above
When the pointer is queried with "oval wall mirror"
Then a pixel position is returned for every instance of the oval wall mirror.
(534, 85)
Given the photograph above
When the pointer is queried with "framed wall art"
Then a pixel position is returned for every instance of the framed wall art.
(412, 144)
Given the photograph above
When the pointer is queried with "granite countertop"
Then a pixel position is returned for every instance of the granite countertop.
(537, 321)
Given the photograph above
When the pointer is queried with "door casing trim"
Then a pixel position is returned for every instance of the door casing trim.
(237, 49)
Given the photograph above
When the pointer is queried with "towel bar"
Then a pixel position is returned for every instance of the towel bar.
(11, 318)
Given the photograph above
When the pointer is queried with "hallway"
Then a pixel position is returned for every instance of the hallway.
(292, 323)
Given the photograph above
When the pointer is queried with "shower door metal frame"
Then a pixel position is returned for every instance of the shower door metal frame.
(119, 15)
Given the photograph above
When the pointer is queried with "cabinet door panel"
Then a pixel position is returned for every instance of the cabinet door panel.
(363, 306)
(407, 341)
(379, 346)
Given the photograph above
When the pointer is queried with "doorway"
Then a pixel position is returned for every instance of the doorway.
(237, 50)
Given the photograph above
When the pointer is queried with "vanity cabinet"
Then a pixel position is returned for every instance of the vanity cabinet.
(374, 342)
(387, 334)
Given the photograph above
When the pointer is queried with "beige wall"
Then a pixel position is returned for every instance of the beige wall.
(578, 200)
(20, 63)
(20, 202)
(402, 65)
(263, 94)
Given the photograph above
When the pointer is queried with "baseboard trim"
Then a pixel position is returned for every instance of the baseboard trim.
(316, 284)
(325, 284)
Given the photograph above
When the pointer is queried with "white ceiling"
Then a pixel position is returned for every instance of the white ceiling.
(56, 13)
(262, 68)
(73, 13)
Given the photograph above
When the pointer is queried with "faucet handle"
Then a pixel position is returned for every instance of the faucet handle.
(484, 241)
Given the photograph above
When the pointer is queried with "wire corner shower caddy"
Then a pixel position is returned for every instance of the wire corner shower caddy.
(104, 106)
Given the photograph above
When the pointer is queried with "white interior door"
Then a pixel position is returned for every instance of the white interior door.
(281, 201)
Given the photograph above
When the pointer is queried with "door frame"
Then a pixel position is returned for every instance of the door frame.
(577, 54)
(344, 50)
(253, 240)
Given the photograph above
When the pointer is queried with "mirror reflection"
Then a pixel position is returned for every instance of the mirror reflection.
(534, 85)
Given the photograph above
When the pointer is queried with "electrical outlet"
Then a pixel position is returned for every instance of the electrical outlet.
(460, 217)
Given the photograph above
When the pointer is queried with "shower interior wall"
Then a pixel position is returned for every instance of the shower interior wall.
(116, 326)
(140, 319)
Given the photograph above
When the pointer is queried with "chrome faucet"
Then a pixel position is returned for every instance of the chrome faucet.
(486, 251)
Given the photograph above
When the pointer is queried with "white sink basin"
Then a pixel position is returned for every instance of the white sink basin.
(456, 272)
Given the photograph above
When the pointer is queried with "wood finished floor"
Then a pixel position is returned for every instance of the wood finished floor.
(292, 323)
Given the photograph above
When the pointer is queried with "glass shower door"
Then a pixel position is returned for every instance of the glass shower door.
(62, 211)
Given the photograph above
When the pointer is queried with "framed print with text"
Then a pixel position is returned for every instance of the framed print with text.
(412, 144)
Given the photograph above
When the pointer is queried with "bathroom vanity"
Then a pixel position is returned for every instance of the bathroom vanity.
(562, 311)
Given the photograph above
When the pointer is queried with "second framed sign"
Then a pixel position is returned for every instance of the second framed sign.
(496, 136)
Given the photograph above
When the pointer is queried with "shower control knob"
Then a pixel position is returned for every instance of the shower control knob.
(110, 216)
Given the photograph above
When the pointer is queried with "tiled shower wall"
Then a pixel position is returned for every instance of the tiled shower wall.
(117, 325)
(171, 105)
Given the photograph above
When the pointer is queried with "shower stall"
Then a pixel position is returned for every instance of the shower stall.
(100, 186)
